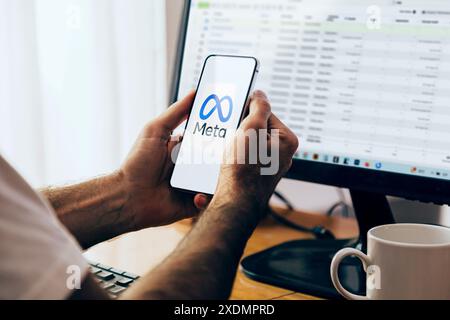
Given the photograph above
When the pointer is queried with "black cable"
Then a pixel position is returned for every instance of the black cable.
(318, 231)
(336, 206)
(343, 202)
(284, 200)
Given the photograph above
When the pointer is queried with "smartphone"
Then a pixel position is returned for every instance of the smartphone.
(219, 106)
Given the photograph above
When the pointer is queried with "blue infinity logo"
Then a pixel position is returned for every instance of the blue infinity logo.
(218, 106)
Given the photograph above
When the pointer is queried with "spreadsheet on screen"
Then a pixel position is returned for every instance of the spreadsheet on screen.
(361, 85)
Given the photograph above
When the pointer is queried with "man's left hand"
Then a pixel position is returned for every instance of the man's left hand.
(146, 173)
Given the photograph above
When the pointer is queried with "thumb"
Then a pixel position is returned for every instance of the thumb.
(176, 113)
(259, 114)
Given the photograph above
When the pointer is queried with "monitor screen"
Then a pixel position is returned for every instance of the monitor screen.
(362, 85)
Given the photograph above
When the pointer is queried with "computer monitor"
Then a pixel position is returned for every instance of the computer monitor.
(364, 84)
(369, 100)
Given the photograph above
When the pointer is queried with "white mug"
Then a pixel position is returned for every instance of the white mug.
(403, 261)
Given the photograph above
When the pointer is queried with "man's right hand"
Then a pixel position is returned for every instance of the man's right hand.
(244, 185)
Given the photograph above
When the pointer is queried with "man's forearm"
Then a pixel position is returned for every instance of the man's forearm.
(204, 264)
(92, 210)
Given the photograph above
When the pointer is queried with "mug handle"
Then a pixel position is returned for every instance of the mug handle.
(340, 255)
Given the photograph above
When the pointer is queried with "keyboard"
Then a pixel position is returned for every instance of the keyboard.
(113, 280)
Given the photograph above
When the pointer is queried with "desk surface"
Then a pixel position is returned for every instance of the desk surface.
(139, 252)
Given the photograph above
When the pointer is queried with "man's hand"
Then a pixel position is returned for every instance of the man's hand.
(134, 197)
(146, 172)
(244, 184)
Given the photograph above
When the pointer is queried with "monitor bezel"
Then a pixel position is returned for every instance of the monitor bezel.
(393, 184)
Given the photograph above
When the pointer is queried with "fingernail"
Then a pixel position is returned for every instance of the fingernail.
(176, 138)
(260, 94)
(202, 199)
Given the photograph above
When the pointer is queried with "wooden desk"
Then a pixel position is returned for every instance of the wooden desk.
(139, 252)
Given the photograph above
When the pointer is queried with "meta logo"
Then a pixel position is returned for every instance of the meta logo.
(217, 106)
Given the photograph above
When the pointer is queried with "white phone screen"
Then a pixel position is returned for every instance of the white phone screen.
(217, 110)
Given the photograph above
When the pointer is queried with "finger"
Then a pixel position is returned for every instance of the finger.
(259, 112)
(201, 201)
(275, 123)
(176, 113)
(173, 142)
(284, 131)
(187, 208)
(173, 149)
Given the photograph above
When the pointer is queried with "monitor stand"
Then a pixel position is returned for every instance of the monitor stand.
(304, 265)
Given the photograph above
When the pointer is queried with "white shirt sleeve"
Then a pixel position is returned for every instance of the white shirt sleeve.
(36, 250)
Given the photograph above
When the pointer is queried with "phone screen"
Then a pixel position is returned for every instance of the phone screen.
(219, 104)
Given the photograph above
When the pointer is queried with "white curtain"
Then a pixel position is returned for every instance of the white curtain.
(78, 80)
